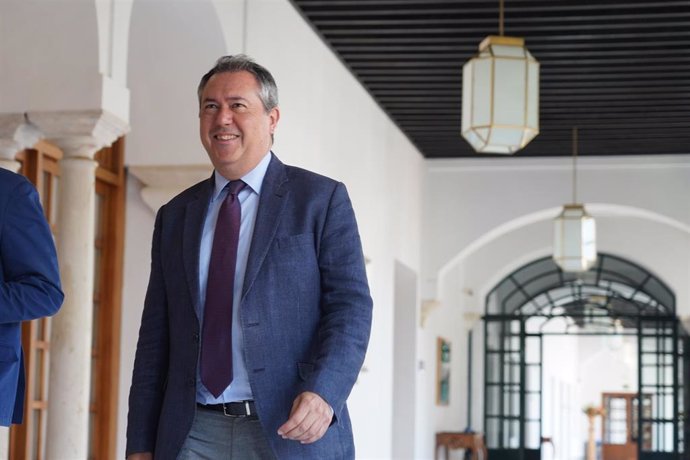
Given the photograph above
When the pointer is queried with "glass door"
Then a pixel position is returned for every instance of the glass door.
(506, 391)
(659, 412)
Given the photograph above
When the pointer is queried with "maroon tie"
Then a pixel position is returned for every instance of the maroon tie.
(216, 337)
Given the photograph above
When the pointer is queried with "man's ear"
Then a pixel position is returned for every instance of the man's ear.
(274, 115)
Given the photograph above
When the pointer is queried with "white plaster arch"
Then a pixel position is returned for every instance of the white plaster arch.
(51, 55)
(114, 19)
(596, 209)
(171, 46)
(497, 232)
(618, 210)
(466, 200)
(233, 17)
(455, 271)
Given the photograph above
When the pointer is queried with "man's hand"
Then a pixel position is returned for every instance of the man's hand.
(141, 456)
(309, 419)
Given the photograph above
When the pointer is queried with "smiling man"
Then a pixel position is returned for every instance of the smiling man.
(257, 314)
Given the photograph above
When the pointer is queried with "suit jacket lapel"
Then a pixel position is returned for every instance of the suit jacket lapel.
(274, 191)
(195, 214)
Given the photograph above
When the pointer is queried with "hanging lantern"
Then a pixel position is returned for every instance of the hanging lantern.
(575, 248)
(574, 245)
(500, 96)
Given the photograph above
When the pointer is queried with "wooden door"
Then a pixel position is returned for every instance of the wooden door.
(28, 441)
(620, 425)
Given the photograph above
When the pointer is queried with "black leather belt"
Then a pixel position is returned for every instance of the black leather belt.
(233, 409)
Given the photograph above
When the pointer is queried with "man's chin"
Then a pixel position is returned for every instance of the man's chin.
(221, 159)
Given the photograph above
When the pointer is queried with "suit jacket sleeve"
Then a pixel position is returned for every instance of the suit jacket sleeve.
(346, 306)
(151, 360)
(30, 284)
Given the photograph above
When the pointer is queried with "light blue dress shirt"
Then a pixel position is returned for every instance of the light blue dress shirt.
(239, 389)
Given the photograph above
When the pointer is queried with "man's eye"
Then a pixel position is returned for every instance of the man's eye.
(238, 105)
(211, 106)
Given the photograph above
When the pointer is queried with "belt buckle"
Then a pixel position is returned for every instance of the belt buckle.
(247, 410)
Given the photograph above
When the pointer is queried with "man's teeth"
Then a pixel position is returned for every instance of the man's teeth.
(226, 137)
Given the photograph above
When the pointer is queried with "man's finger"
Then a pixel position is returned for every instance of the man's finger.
(309, 419)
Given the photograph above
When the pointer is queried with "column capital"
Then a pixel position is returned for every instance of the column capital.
(471, 318)
(428, 306)
(162, 182)
(80, 133)
(16, 133)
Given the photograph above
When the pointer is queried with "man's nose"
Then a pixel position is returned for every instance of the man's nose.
(225, 116)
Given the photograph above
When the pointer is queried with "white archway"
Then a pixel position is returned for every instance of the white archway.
(541, 223)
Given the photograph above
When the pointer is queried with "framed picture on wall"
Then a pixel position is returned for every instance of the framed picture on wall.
(442, 372)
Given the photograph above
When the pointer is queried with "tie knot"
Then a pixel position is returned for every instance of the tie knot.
(235, 186)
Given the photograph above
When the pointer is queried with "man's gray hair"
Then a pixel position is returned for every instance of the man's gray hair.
(268, 90)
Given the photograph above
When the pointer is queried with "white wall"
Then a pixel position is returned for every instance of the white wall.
(171, 46)
(447, 322)
(49, 56)
(613, 361)
(562, 410)
(404, 386)
(577, 370)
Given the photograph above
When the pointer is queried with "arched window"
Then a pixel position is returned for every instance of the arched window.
(614, 297)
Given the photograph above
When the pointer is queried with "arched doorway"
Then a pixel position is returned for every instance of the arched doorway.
(615, 296)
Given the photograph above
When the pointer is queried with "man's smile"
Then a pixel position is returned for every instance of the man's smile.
(225, 136)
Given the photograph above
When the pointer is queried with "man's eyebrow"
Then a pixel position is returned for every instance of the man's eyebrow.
(228, 98)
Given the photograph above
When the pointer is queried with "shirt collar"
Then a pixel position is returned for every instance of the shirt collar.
(254, 178)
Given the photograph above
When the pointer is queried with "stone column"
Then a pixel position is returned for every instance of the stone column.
(70, 351)
(79, 135)
(4, 442)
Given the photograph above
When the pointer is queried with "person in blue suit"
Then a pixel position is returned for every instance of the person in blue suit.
(301, 308)
(29, 283)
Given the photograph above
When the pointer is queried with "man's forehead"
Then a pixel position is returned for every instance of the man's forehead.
(240, 76)
(240, 87)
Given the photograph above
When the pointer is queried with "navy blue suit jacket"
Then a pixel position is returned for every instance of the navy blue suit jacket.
(29, 283)
(305, 313)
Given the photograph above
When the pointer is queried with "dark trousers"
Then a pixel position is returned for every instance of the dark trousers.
(214, 436)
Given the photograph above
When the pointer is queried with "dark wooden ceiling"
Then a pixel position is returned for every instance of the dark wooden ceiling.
(619, 70)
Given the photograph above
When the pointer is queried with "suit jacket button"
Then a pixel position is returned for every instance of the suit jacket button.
(195, 338)
(191, 382)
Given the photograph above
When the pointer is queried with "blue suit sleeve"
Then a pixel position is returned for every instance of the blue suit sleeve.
(151, 360)
(346, 305)
(30, 285)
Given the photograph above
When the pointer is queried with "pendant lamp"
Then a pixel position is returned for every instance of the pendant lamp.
(500, 95)
(574, 247)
